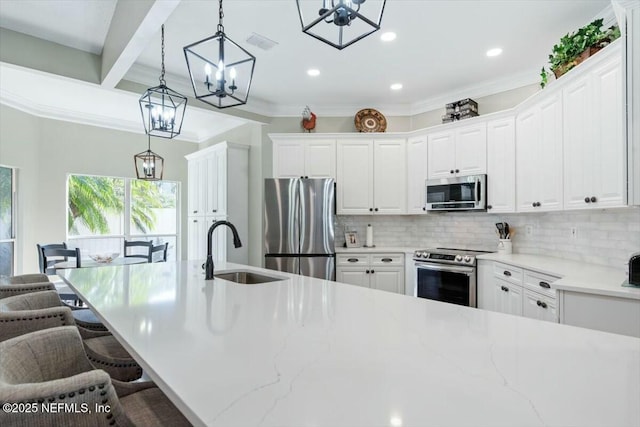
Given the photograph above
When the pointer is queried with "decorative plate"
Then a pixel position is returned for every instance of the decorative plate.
(104, 258)
(370, 120)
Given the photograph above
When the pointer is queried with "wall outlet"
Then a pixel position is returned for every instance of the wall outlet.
(528, 230)
(573, 232)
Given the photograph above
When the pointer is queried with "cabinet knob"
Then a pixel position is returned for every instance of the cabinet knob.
(593, 199)
(376, 209)
(533, 204)
(457, 170)
(366, 271)
(506, 273)
(306, 177)
(544, 285)
(195, 220)
(373, 271)
(370, 209)
(195, 211)
(489, 207)
(424, 209)
(541, 304)
(504, 288)
(451, 171)
(587, 200)
(214, 210)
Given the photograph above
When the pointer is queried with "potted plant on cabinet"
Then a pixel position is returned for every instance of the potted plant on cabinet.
(575, 47)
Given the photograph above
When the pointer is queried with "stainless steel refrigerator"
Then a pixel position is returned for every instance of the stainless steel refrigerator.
(299, 226)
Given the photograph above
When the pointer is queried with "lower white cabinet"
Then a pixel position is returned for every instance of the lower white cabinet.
(376, 271)
(508, 289)
(197, 237)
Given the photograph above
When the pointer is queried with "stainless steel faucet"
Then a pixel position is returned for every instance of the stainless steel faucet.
(208, 267)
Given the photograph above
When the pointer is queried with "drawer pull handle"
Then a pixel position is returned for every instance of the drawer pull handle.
(541, 304)
(507, 273)
(545, 285)
(504, 288)
(386, 260)
(353, 260)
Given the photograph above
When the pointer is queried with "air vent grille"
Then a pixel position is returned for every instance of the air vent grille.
(261, 41)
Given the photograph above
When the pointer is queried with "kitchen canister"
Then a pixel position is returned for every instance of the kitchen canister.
(505, 246)
(369, 240)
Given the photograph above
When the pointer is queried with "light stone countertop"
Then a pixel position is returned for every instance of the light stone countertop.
(311, 352)
(574, 275)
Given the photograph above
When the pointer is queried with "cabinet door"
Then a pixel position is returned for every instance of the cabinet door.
(527, 141)
(471, 150)
(416, 174)
(389, 182)
(389, 279)
(501, 166)
(609, 165)
(549, 175)
(353, 275)
(215, 188)
(288, 159)
(197, 239)
(320, 159)
(197, 178)
(441, 157)
(507, 297)
(354, 180)
(539, 307)
(219, 239)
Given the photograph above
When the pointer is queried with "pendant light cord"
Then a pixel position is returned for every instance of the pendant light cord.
(149, 143)
(220, 16)
(162, 81)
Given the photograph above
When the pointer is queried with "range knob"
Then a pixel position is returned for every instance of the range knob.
(467, 258)
(425, 254)
(458, 258)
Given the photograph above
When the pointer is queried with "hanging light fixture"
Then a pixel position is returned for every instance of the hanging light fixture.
(149, 165)
(162, 108)
(220, 70)
(346, 19)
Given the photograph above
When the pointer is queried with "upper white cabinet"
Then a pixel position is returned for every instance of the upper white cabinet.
(458, 152)
(539, 156)
(594, 140)
(297, 158)
(218, 189)
(501, 165)
(371, 177)
(416, 174)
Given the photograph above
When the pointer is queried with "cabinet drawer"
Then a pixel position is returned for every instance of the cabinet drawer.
(539, 306)
(508, 272)
(387, 259)
(539, 282)
(352, 259)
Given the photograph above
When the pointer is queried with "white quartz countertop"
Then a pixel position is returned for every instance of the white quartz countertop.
(376, 250)
(310, 352)
(574, 276)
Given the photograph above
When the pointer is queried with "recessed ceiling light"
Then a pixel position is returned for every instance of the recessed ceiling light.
(494, 52)
(396, 86)
(313, 72)
(388, 36)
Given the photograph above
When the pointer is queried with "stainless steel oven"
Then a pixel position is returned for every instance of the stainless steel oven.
(447, 275)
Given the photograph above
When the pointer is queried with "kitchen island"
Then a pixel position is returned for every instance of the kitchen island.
(310, 352)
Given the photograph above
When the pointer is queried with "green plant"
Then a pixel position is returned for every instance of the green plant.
(543, 78)
(564, 55)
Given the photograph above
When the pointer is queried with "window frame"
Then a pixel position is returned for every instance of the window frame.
(14, 217)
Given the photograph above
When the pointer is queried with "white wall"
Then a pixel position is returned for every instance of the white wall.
(45, 151)
(605, 237)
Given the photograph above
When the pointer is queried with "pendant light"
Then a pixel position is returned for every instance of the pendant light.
(340, 23)
(220, 70)
(149, 165)
(162, 108)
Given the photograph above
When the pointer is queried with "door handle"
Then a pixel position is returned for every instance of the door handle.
(477, 188)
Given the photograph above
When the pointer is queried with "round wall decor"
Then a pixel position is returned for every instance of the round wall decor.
(370, 120)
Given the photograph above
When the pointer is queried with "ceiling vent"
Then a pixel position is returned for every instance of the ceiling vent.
(261, 41)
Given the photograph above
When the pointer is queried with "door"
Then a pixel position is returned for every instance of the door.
(501, 166)
(215, 171)
(316, 216)
(390, 177)
(536, 306)
(320, 267)
(549, 174)
(196, 181)
(451, 284)
(358, 276)
(281, 216)
(441, 155)
(196, 238)
(471, 150)
(288, 264)
(416, 174)
(390, 279)
(320, 159)
(507, 297)
(354, 177)
(288, 159)
(527, 141)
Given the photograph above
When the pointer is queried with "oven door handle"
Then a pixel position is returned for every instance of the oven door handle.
(452, 268)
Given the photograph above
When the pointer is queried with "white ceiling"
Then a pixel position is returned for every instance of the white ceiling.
(439, 53)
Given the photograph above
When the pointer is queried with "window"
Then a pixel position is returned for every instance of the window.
(7, 221)
(104, 211)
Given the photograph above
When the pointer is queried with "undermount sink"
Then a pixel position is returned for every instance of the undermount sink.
(246, 277)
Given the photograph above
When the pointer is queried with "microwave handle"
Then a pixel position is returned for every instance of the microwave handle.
(477, 188)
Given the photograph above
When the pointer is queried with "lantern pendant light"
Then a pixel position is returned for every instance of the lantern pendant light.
(220, 70)
(348, 20)
(162, 108)
(149, 165)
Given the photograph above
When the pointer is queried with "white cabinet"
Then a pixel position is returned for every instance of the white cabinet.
(507, 297)
(594, 139)
(458, 152)
(501, 165)
(371, 176)
(416, 174)
(304, 157)
(538, 306)
(539, 156)
(377, 271)
(218, 189)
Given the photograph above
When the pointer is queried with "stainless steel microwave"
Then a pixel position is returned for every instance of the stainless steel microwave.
(461, 193)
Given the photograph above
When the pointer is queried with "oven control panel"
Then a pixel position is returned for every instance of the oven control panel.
(423, 255)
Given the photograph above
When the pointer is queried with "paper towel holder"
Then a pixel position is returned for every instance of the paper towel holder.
(369, 239)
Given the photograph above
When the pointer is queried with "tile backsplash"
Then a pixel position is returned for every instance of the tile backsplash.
(605, 237)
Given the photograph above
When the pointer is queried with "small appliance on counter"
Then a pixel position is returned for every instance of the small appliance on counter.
(634, 269)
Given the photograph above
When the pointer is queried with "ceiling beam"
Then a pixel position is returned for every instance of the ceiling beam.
(132, 28)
